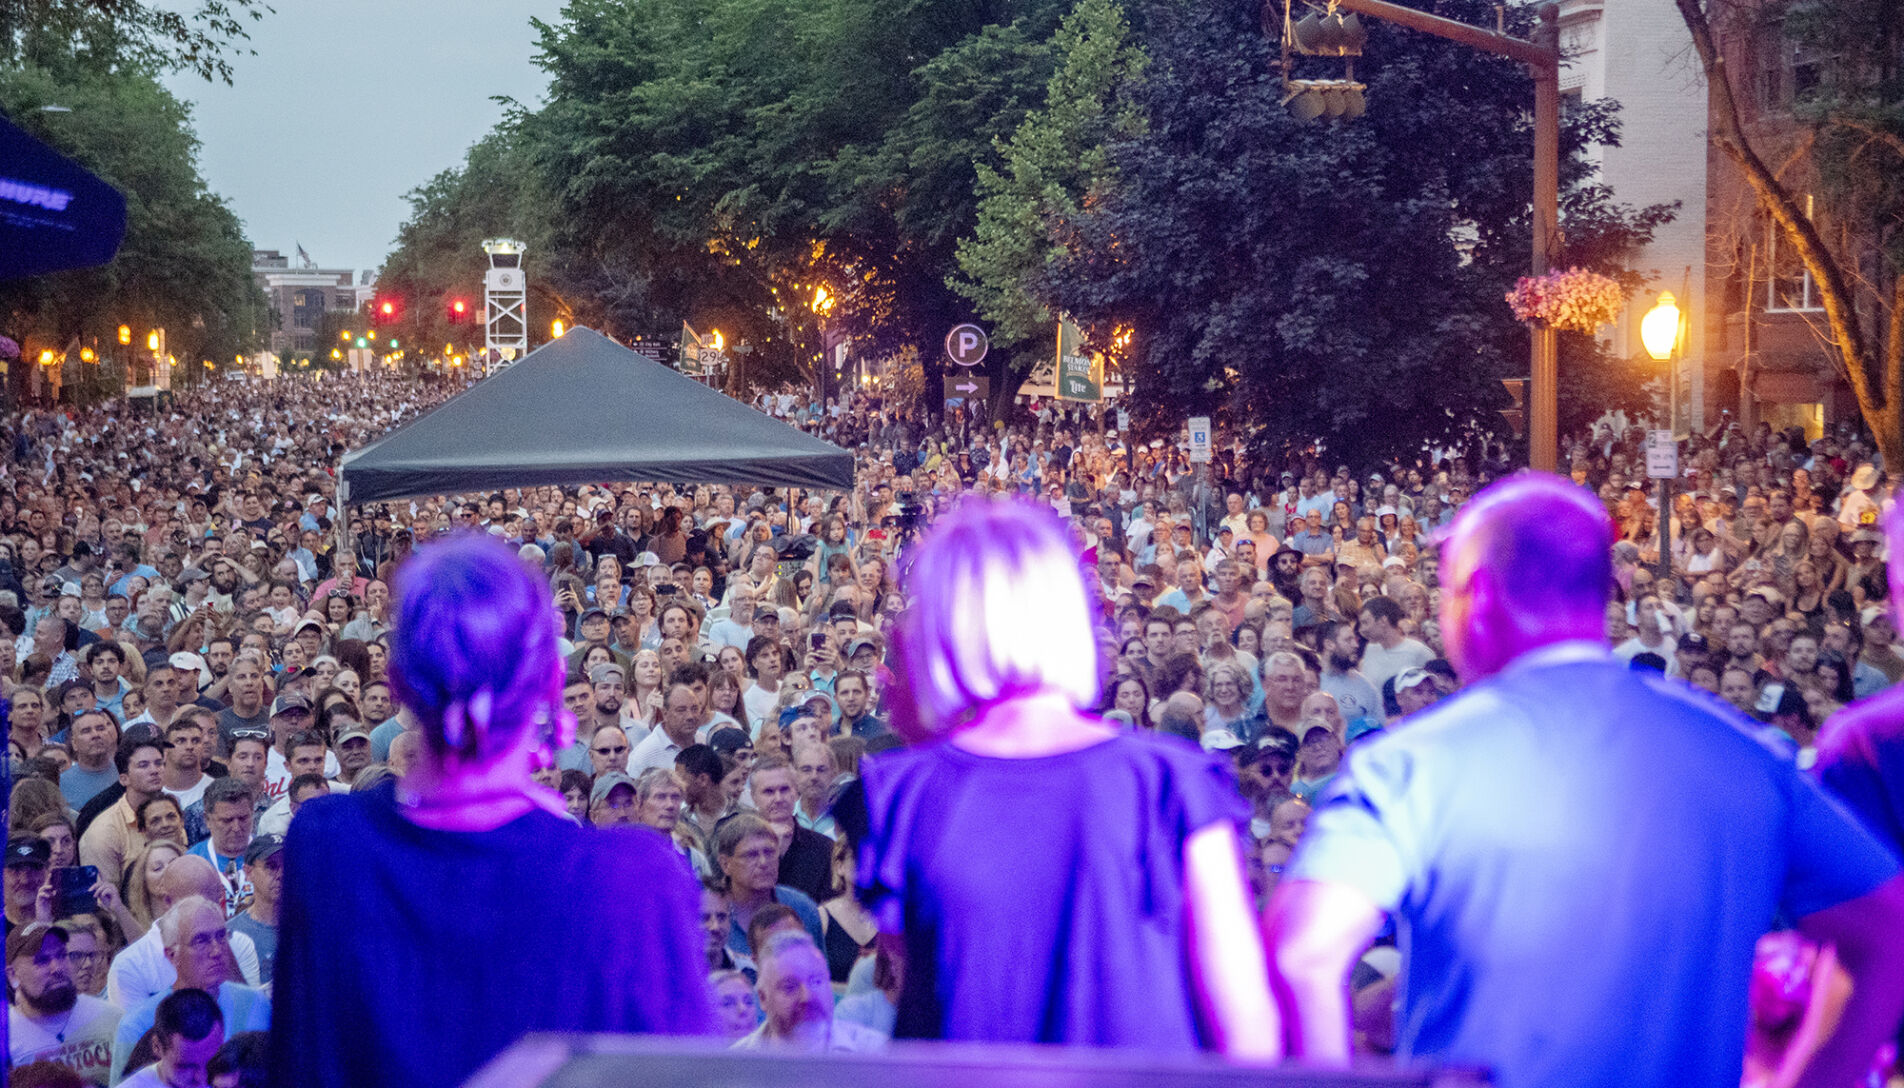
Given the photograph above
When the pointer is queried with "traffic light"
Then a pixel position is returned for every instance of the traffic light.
(125, 334)
(1329, 34)
(1328, 99)
(363, 342)
(459, 311)
(387, 309)
(1516, 417)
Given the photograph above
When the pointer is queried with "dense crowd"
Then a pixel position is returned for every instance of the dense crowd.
(200, 639)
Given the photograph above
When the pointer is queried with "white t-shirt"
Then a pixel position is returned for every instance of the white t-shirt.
(82, 1041)
(1379, 664)
(190, 795)
(760, 703)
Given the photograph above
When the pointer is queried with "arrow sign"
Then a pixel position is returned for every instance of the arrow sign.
(967, 389)
(966, 345)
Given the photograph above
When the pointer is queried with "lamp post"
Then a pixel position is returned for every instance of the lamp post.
(1660, 331)
(821, 306)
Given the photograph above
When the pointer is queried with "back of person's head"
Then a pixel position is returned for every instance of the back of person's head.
(997, 610)
(473, 653)
(188, 877)
(188, 1013)
(1383, 608)
(44, 1074)
(246, 1056)
(699, 759)
(1181, 716)
(1545, 542)
(764, 921)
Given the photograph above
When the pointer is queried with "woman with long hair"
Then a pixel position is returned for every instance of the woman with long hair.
(1132, 928)
(143, 867)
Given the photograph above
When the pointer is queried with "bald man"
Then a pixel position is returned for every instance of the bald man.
(141, 970)
(1579, 857)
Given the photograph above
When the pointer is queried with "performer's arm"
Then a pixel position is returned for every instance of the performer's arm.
(1226, 949)
(1864, 931)
(1317, 930)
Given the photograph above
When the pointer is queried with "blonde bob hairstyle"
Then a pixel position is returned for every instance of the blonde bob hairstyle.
(997, 611)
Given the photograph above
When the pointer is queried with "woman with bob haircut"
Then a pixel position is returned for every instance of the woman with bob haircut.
(467, 853)
(1096, 896)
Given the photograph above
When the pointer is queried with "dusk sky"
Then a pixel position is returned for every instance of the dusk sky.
(350, 104)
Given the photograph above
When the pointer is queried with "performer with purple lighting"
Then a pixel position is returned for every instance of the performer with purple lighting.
(1543, 939)
(425, 930)
(1052, 880)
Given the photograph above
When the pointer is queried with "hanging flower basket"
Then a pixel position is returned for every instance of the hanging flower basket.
(1574, 300)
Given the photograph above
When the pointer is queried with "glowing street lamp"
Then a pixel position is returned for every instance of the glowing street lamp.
(152, 340)
(1659, 331)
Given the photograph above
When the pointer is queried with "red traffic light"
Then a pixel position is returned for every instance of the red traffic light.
(460, 306)
(387, 308)
(458, 311)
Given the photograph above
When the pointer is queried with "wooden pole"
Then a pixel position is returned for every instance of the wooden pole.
(1542, 57)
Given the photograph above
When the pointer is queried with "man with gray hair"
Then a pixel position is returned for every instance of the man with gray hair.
(142, 968)
(796, 1000)
(198, 945)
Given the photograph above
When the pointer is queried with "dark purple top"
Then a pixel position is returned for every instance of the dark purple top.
(409, 957)
(1042, 899)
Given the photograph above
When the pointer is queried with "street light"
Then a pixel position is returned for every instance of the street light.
(557, 329)
(1659, 331)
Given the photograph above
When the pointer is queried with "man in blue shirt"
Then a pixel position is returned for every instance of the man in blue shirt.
(1578, 857)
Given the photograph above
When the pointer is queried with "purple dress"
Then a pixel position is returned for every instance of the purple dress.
(1042, 899)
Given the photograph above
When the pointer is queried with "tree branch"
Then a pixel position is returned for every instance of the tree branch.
(1847, 335)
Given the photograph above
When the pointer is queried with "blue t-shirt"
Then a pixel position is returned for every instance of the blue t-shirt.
(1579, 859)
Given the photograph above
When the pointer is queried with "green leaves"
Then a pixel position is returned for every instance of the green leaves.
(184, 265)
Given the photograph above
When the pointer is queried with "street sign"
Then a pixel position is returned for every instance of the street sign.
(964, 389)
(966, 345)
(1200, 439)
(1662, 456)
(1123, 420)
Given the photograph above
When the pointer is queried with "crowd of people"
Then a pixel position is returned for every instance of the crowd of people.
(201, 644)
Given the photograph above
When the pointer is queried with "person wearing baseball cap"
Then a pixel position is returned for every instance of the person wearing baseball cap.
(50, 1020)
(264, 869)
(611, 801)
(27, 859)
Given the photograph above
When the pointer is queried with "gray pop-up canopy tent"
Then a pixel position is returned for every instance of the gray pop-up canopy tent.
(583, 409)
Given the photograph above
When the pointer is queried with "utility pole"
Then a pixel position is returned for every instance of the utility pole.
(1542, 58)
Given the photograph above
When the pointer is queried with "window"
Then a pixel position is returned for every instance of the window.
(1790, 288)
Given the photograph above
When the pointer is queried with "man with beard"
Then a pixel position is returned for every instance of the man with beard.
(1341, 653)
(224, 584)
(50, 1020)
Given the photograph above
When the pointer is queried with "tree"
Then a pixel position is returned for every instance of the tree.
(1315, 283)
(1855, 121)
(1056, 161)
(108, 33)
(184, 265)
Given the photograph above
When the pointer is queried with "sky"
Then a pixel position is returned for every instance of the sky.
(350, 104)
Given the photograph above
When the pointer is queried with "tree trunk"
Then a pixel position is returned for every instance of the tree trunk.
(1876, 376)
